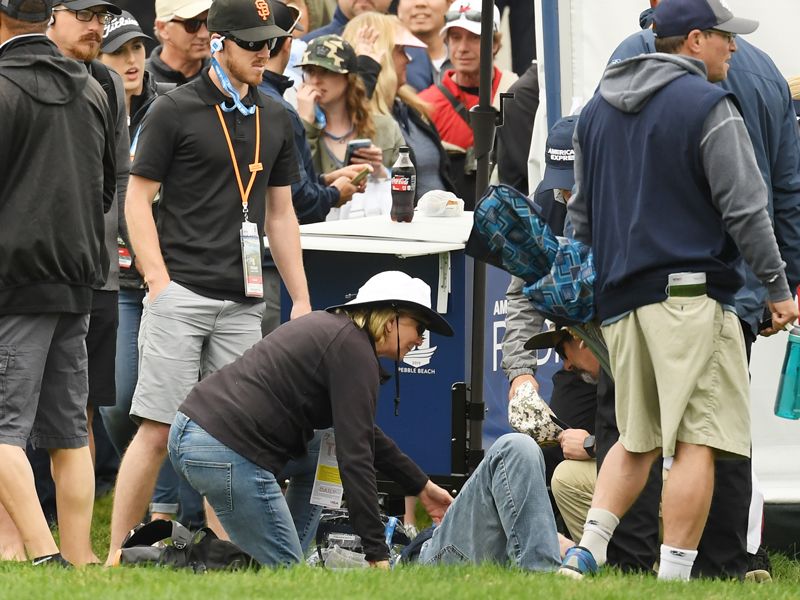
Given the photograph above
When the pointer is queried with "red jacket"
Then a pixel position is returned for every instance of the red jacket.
(452, 128)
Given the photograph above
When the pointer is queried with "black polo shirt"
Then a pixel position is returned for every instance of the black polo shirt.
(182, 145)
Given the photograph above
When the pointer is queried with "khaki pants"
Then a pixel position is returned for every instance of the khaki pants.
(573, 486)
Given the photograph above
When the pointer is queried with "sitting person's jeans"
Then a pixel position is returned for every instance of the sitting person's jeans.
(502, 514)
(248, 500)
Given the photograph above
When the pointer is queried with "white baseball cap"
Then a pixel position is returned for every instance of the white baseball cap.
(467, 15)
(399, 290)
(166, 10)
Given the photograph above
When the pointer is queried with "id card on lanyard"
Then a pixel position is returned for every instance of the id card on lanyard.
(248, 234)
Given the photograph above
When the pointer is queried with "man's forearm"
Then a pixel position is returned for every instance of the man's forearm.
(283, 234)
(142, 228)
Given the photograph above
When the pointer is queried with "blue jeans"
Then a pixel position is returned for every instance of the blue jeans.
(121, 428)
(247, 498)
(502, 514)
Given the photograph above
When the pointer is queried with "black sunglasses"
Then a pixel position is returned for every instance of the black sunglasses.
(192, 25)
(469, 15)
(253, 46)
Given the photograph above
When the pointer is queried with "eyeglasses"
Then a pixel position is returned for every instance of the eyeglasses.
(86, 15)
(253, 46)
(729, 37)
(191, 25)
(469, 15)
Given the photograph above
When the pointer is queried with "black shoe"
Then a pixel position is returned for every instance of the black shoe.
(55, 560)
(759, 568)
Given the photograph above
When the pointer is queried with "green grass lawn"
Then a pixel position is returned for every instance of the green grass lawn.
(21, 581)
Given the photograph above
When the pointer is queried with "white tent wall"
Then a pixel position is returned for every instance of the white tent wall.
(589, 31)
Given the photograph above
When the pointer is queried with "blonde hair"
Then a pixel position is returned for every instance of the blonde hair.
(794, 87)
(374, 319)
(386, 88)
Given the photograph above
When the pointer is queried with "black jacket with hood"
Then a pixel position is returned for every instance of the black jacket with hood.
(57, 179)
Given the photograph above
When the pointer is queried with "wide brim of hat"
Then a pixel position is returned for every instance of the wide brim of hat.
(557, 179)
(81, 4)
(738, 25)
(433, 320)
(256, 34)
(546, 339)
(115, 44)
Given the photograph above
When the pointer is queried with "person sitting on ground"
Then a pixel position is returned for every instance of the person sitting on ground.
(240, 426)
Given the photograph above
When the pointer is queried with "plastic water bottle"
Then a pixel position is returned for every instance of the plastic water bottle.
(787, 403)
(404, 187)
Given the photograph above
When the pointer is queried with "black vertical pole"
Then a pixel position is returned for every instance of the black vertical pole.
(482, 120)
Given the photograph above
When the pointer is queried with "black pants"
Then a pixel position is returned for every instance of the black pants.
(722, 552)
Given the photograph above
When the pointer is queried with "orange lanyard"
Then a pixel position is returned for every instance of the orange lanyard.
(254, 167)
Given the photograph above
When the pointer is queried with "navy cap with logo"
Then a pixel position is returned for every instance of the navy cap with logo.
(679, 17)
(247, 20)
(32, 12)
(559, 158)
(119, 30)
(82, 4)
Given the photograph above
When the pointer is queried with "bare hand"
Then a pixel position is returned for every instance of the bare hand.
(300, 308)
(307, 97)
(156, 286)
(366, 37)
(435, 500)
(347, 189)
(370, 156)
(518, 381)
(571, 441)
(350, 171)
(783, 313)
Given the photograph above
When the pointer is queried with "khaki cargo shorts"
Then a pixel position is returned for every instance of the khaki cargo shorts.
(681, 375)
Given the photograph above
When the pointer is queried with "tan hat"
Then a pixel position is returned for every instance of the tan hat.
(166, 10)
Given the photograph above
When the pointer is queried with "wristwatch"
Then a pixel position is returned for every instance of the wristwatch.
(588, 445)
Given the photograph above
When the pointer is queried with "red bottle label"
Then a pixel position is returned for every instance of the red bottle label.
(402, 183)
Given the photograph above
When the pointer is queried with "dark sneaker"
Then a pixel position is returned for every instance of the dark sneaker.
(55, 560)
(578, 562)
(759, 568)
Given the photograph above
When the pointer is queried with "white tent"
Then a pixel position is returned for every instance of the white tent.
(587, 33)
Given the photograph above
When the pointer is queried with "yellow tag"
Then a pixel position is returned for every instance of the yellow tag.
(254, 167)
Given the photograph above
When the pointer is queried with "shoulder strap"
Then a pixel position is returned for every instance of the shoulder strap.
(103, 76)
(455, 102)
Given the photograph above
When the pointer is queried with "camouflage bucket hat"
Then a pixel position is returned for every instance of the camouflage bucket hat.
(330, 52)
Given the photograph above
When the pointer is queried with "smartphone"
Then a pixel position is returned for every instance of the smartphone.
(354, 145)
(360, 177)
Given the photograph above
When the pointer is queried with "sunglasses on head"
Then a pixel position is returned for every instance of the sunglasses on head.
(469, 15)
(253, 46)
(191, 25)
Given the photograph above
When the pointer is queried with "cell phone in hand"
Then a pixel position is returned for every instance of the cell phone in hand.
(360, 177)
(354, 145)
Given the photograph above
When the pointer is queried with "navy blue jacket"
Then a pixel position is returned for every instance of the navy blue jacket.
(419, 73)
(766, 107)
(312, 200)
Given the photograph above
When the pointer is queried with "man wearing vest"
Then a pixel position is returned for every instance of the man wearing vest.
(452, 98)
(668, 194)
(223, 157)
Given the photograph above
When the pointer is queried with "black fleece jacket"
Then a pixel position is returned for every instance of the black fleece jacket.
(57, 179)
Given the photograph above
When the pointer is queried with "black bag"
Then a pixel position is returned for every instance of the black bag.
(170, 544)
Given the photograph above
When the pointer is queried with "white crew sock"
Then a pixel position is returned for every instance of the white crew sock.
(676, 563)
(599, 527)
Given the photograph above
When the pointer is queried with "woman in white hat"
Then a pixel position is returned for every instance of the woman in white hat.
(239, 427)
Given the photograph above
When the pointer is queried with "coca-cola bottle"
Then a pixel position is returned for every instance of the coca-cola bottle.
(404, 187)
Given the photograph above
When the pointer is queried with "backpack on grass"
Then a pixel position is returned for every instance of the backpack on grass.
(170, 544)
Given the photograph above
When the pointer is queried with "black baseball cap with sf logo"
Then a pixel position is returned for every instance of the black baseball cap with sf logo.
(248, 20)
